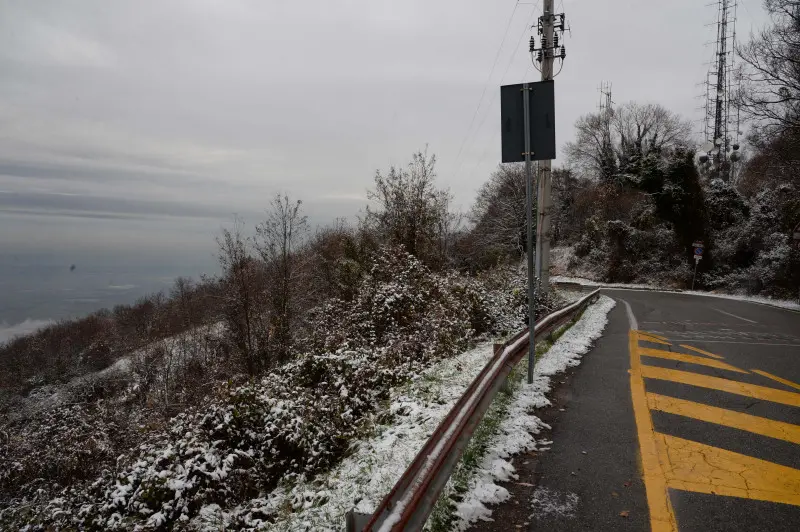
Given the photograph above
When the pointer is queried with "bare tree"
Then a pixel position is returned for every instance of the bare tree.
(568, 211)
(278, 240)
(498, 214)
(337, 260)
(412, 211)
(609, 143)
(243, 296)
(771, 74)
(592, 153)
(449, 225)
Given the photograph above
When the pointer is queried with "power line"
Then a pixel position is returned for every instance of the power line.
(488, 80)
(505, 73)
(497, 134)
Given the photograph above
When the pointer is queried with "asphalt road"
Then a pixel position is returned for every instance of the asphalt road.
(685, 416)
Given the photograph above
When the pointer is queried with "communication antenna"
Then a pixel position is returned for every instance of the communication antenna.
(721, 123)
(606, 106)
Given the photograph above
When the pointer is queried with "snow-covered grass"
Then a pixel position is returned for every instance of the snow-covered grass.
(791, 305)
(516, 430)
(413, 413)
(362, 479)
(178, 349)
(410, 416)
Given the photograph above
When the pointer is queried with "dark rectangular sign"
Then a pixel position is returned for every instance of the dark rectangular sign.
(542, 122)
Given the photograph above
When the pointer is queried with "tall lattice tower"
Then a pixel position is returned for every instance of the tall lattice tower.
(721, 122)
(606, 104)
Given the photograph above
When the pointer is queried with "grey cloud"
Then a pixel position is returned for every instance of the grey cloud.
(45, 203)
(233, 101)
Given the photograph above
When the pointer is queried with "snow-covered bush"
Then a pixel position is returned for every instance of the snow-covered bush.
(58, 447)
(293, 423)
(754, 254)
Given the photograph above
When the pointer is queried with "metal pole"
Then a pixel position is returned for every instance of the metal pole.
(543, 202)
(696, 264)
(529, 221)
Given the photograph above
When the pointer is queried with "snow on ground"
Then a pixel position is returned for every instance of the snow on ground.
(414, 411)
(589, 282)
(516, 432)
(569, 296)
(547, 502)
(365, 477)
(178, 348)
(791, 305)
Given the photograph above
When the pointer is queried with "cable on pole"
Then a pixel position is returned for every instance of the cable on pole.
(488, 80)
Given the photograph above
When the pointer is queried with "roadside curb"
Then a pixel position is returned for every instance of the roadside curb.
(637, 288)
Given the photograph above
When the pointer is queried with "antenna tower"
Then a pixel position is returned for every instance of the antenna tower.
(721, 123)
(606, 104)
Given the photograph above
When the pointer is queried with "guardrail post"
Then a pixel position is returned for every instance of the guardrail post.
(355, 521)
(498, 348)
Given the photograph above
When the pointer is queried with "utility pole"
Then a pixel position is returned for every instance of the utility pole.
(538, 269)
(543, 202)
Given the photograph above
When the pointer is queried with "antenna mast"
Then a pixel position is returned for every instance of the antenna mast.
(721, 134)
(605, 106)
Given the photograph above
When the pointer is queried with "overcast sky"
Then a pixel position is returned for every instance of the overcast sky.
(210, 107)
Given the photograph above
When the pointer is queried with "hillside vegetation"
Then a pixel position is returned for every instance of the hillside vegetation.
(215, 394)
(148, 415)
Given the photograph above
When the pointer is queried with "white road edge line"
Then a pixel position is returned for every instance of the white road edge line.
(733, 315)
(718, 296)
(631, 318)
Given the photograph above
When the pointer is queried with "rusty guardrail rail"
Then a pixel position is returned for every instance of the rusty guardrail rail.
(411, 500)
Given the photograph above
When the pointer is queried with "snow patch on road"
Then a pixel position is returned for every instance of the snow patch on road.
(547, 503)
(517, 430)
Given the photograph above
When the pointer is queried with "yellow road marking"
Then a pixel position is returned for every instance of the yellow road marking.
(729, 418)
(689, 359)
(725, 385)
(698, 350)
(653, 335)
(777, 379)
(653, 338)
(662, 517)
(697, 467)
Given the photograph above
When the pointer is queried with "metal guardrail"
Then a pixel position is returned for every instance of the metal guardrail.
(407, 506)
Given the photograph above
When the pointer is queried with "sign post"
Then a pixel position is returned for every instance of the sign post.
(698, 256)
(528, 134)
(796, 237)
(526, 104)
